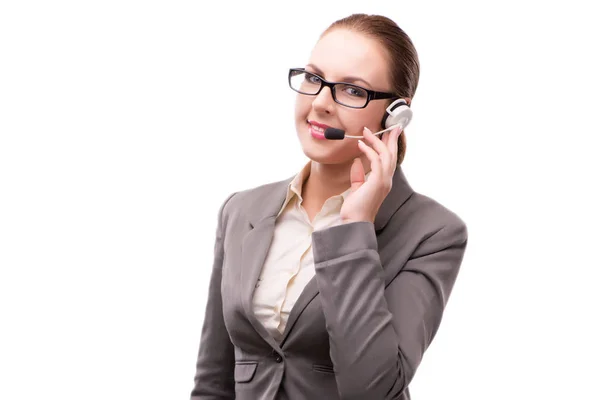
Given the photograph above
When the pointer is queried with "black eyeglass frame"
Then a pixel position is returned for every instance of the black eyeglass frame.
(371, 94)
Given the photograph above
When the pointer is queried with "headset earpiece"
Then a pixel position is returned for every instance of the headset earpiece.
(397, 113)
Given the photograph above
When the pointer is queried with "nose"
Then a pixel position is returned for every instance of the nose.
(323, 102)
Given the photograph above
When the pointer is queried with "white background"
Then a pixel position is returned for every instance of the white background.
(125, 124)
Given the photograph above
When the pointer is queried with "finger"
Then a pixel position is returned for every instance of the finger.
(385, 138)
(394, 134)
(377, 145)
(393, 144)
(373, 157)
(357, 175)
(373, 140)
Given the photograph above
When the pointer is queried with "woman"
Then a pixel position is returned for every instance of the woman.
(332, 284)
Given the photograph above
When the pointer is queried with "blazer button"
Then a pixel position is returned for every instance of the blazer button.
(278, 358)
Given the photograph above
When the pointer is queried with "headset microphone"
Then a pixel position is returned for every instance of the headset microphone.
(398, 114)
(334, 134)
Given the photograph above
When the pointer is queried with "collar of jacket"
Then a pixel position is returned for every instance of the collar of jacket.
(271, 198)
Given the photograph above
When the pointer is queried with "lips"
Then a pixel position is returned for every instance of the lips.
(319, 126)
(317, 130)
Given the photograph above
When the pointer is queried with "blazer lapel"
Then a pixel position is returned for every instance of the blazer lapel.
(262, 214)
(309, 292)
(255, 248)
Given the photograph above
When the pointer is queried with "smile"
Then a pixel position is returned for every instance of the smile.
(317, 130)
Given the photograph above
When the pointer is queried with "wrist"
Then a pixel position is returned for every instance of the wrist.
(357, 219)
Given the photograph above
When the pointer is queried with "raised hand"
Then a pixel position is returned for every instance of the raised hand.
(367, 196)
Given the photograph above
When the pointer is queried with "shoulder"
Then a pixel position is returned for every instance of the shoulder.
(433, 212)
(434, 221)
(254, 200)
(422, 220)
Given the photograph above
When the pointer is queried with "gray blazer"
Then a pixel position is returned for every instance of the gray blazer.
(360, 327)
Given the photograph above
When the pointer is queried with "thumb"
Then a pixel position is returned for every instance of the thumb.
(357, 175)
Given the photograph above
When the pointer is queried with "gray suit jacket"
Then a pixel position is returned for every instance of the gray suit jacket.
(360, 327)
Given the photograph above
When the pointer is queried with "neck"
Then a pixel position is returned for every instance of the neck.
(327, 180)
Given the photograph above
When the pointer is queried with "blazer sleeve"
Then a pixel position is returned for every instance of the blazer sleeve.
(216, 359)
(378, 334)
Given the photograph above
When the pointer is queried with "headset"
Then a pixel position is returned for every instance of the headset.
(398, 114)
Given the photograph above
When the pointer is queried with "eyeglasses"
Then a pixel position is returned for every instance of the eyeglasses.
(346, 94)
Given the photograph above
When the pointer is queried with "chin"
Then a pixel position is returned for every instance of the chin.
(326, 156)
(324, 151)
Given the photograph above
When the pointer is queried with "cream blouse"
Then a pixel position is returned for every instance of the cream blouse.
(289, 265)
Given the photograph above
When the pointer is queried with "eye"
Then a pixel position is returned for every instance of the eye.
(355, 91)
(312, 79)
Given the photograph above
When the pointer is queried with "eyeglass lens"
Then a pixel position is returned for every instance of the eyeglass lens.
(344, 93)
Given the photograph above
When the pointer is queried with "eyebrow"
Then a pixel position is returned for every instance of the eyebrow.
(347, 79)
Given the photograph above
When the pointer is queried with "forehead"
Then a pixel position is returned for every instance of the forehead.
(342, 52)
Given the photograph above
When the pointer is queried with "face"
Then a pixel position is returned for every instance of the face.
(342, 56)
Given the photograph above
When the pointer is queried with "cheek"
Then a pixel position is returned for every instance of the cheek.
(356, 121)
(302, 107)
